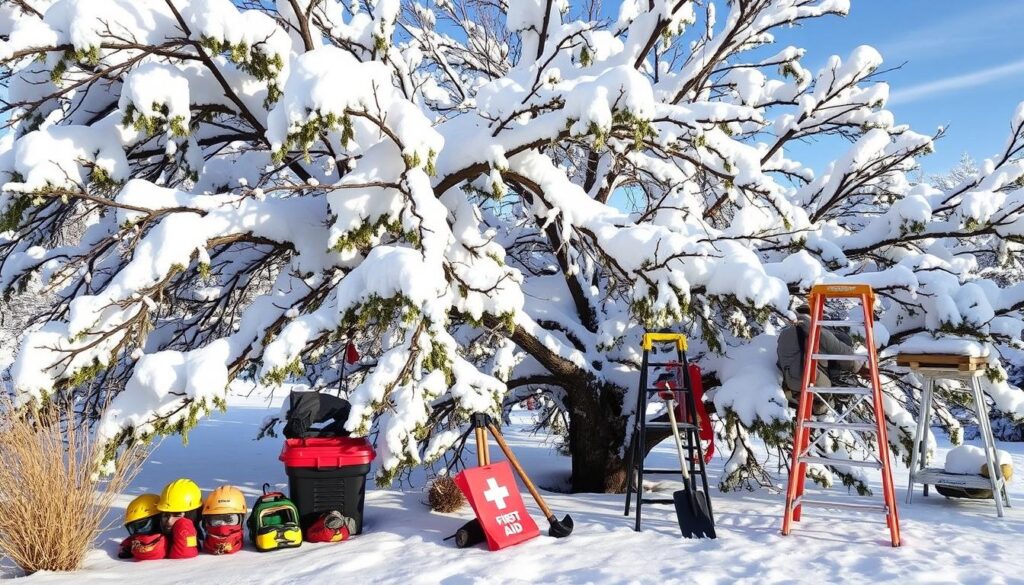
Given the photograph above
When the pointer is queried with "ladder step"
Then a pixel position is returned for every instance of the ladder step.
(665, 365)
(668, 425)
(842, 505)
(853, 462)
(840, 357)
(834, 426)
(658, 501)
(850, 390)
(840, 323)
(661, 471)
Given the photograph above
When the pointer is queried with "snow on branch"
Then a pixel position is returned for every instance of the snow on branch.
(470, 193)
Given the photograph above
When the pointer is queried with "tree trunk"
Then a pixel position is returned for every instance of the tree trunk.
(597, 428)
(596, 436)
(597, 432)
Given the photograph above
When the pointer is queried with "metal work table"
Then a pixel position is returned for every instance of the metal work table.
(967, 369)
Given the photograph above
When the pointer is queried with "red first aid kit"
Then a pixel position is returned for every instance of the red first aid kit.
(494, 496)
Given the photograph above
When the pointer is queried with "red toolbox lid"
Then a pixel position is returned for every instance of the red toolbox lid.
(326, 452)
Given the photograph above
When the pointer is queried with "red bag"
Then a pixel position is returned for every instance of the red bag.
(670, 387)
(351, 354)
(184, 540)
(319, 532)
(144, 547)
(707, 432)
(223, 540)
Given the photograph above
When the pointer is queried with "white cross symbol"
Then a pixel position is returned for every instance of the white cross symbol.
(496, 493)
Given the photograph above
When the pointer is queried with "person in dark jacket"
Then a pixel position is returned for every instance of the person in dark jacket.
(791, 350)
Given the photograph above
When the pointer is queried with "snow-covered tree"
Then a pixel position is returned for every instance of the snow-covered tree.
(965, 169)
(485, 197)
(1006, 425)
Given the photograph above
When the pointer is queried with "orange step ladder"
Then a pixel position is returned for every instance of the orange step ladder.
(807, 450)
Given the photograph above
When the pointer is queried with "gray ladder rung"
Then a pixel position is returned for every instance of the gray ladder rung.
(658, 500)
(664, 365)
(853, 462)
(842, 505)
(840, 357)
(836, 426)
(840, 323)
(851, 390)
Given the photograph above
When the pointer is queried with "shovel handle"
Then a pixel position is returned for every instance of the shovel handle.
(679, 443)
(522, 474)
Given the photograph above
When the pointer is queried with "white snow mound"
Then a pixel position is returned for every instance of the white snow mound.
(968, 459)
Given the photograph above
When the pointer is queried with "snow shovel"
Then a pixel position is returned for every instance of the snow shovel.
(695, 519)
(558, 528)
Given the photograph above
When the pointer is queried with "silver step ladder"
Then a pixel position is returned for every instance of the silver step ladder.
(967, 370)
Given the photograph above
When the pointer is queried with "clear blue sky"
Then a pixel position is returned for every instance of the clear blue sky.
(964, 65)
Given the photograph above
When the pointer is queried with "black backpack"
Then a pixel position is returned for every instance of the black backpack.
(309, 408)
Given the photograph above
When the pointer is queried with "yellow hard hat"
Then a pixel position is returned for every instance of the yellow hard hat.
(227, 499)
(181, 495)
(141, 507)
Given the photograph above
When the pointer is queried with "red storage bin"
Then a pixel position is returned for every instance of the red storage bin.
(327, 473)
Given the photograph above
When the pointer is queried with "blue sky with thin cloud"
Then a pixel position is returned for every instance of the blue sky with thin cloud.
(962, 66)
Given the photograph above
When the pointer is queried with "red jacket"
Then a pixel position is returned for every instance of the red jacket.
(318, 532)
(184, 540)
(222, 540)
(143, 547)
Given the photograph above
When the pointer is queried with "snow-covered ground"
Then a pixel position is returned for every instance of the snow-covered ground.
(945, 541)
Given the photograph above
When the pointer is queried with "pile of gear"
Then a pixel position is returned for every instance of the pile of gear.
(178, 524)
(327, 475)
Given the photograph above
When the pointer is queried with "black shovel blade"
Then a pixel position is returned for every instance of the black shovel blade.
(695, 520)
(560, 528)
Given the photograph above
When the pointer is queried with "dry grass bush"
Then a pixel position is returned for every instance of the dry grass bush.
(444, 496)
(53, 490)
